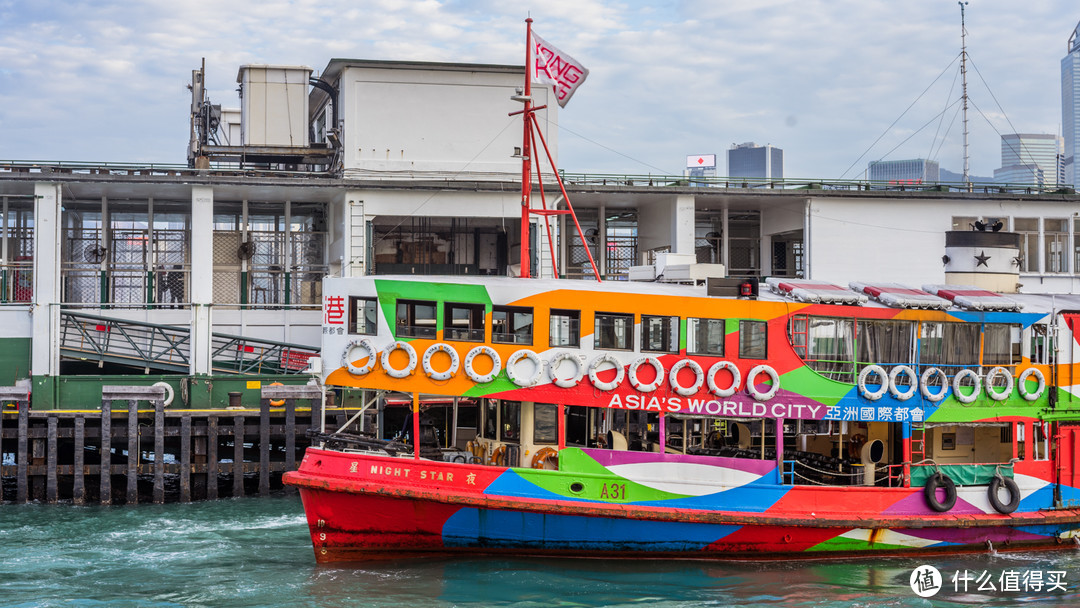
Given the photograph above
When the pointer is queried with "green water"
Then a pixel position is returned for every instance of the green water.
(256, 552)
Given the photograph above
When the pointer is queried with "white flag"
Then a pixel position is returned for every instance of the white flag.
(554, 67)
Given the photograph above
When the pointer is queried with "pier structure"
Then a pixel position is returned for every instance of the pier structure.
(206, 276)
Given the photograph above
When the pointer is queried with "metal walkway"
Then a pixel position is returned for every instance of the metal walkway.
(167, 348)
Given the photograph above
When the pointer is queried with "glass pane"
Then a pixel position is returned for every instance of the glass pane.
(565, 328)
(614, 331)
(705, 337)
(752, 336)
(546, 423)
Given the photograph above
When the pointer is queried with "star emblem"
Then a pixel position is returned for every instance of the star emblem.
(981, 259)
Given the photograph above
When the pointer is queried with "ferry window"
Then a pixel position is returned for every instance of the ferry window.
(705, 337)
(752, 339)
(963, 223)
(512, 325)
(1042, 440)
(1041, 343)
(415, 319)
(1055, 241)
(491, 419)
(659, 334)
(949, 344)
(362, 315)
(546, 423)
(885, 343)
(565, 328)
(614, 331)
(463, 322)
(510, 421)
(829, 345)
(1001, 344)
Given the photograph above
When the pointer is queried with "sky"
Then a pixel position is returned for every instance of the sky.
(834, 83)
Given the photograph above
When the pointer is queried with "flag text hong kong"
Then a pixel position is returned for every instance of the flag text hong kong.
(554, 67)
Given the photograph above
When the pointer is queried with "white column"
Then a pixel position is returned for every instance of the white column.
(202, 277)
(682, 224)
(45, 353)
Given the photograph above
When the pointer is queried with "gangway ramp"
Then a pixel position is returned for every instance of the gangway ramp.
(167, 348)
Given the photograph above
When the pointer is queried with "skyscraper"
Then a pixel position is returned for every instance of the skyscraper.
(752, 160)
(1070, 105)
(1030, 158)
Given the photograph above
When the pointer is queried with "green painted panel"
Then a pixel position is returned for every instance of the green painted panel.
(14, 360)
(390, 291)
(599, 484)
(842, 543)
(806, 381)
(961, 474)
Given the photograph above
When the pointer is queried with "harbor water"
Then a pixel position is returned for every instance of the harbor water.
(256, 552)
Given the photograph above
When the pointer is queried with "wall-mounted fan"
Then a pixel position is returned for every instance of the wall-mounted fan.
(94, 253)
(246, 250)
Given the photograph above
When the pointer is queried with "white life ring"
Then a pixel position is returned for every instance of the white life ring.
(496, 364)
(572, 381)
(756, 394)
(913, 384)
(962, 398)
(924, 384)
(454, 361)
(657, 381)
(347, 358)
(1021, 384)
(620, 372)
(169, 394)
(736, 378)
(699, 377)
(385, 359)
(881, 374)
(511, 368)
(995, 395)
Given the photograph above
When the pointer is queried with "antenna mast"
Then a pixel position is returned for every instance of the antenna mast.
(963, 79)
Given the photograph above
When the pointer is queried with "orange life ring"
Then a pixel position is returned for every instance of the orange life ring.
(498, 457)
(543, 455)
(277, 402)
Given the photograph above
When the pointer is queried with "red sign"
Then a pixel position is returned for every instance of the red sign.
(295, 360)
(334, 308)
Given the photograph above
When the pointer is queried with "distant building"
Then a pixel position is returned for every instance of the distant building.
(911, 171)
(752, 160)
(1070, 106)
(1031, 158)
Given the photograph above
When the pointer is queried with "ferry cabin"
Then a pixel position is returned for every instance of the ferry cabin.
(827, 385)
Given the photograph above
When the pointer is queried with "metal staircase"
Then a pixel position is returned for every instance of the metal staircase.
(167, 348)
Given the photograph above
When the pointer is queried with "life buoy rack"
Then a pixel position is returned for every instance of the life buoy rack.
(699, 377)
(1021, 384)
(736, 378)
(169, 394)
(496, 364)
(385, 359)
(640, 386)
(924, 384)
(511, 368)
(894, 386)
(752, 389)
(277, 402)
(347, 358)
(498, 457)
(620, 372)
(553, 367)
(543, 455)
(455, 362)
(930, 491)
(994, 394)
(1014, 494)
(881, 374)
(960, 375)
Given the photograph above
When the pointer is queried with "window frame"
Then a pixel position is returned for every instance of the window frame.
(668, 322)
(410, 315)
(511, 311)
(614, 316)
(744, 346)
(574, 317)
(354, 315)
(471, 333)
(705, 352)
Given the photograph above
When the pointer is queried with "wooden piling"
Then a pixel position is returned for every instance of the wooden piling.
(185, 458)
(133, 452)
(105, 470)
(78, 486)
(264, 447)
(159, 451)
(22, 493)
(51, 492)
(238, 456)
(212, 458)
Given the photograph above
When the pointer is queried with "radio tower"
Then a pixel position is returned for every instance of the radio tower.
(963, 80)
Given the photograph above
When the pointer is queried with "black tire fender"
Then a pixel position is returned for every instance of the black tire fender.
(1014, 494)
(932, 484)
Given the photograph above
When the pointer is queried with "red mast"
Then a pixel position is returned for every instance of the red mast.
(530, 124)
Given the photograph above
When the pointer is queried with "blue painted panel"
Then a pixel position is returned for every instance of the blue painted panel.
(754, 497)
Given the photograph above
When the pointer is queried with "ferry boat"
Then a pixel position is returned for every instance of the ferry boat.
(643, 419)
(627, 419)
